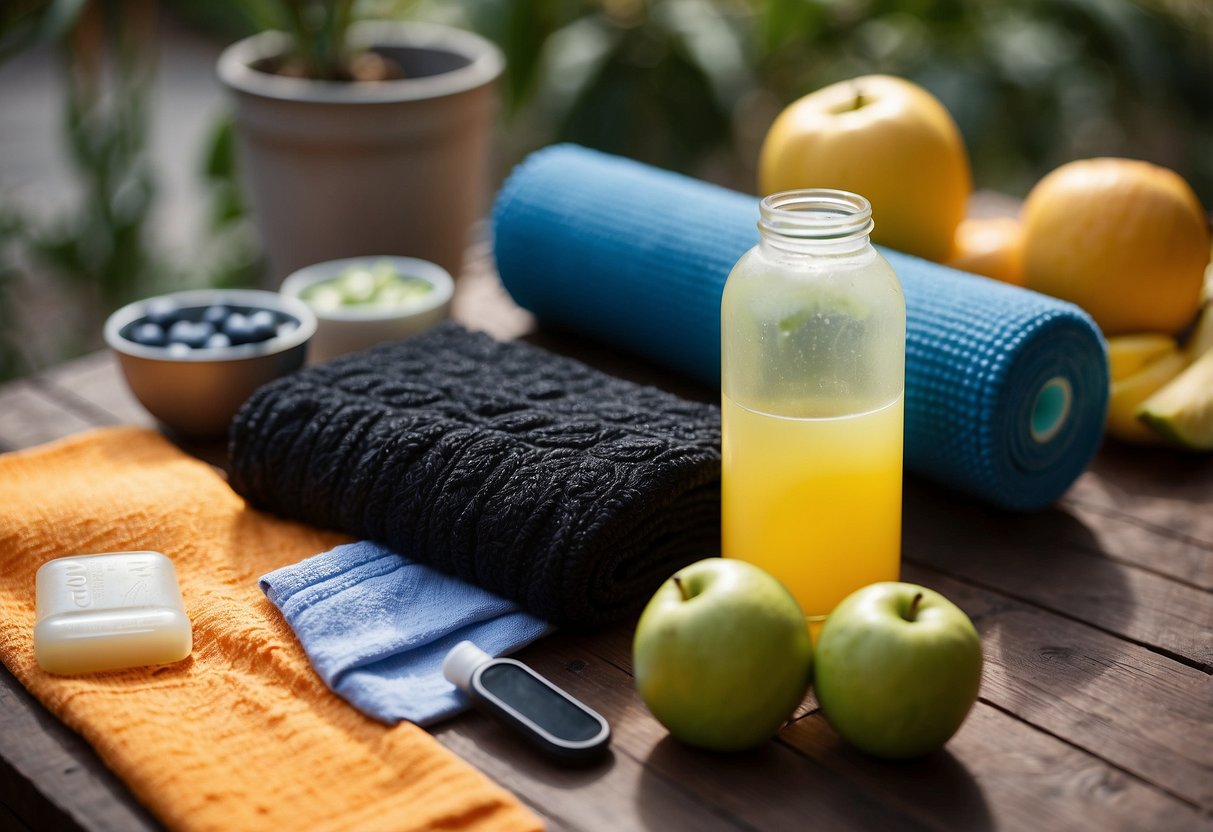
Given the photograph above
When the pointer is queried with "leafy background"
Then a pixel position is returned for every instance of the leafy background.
(686, 84)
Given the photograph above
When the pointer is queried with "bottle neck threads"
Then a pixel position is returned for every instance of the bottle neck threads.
(815, 221)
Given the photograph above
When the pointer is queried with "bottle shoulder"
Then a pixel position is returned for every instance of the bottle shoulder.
(864, 272)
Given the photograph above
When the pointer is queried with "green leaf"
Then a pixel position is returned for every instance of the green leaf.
(786, 20)
(47, 24)
(711, 44)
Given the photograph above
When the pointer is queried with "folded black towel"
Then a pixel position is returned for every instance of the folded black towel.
(529, 474)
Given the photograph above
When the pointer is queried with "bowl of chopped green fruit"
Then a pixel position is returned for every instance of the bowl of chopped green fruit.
(363, 301)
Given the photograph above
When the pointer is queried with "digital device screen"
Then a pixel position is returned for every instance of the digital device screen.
(538, 703)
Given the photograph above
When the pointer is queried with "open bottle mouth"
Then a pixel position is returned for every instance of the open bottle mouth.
(815, 215)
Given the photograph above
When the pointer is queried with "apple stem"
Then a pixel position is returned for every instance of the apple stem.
(912, 613)
(681, 588)
(860, 101)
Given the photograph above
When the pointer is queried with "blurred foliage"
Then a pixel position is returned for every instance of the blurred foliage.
(232, 253)
(98, 252)
(686, 84)
(12, 358)
(24, 23)
(318, 30)
(101, 248)
(693, 84)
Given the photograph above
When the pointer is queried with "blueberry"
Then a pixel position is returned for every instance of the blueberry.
(162, 312)
(287, 327)
(148, 334)
(218, 341)
(216, 315)
(191, 334)
(238, 328)
(263, 318)
(263, 325)
(178, 349)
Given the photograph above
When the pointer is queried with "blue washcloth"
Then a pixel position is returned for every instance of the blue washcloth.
(376, 627)
(1006, 389)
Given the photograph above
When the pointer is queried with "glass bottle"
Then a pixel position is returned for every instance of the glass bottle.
(813, 330)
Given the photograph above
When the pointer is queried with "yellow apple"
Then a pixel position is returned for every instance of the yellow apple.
(886, 139)
(1125, 240)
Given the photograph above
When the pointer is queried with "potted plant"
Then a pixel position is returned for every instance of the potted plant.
(369, 138)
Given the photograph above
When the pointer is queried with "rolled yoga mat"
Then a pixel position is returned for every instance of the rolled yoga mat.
(1006, 389)
(526, 473)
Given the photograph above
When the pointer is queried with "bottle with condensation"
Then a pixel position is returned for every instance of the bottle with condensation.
(813, 332)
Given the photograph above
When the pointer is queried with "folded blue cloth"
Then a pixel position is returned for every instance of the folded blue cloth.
(376, 627)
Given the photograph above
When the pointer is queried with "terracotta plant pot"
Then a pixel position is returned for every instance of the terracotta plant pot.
(341, 169)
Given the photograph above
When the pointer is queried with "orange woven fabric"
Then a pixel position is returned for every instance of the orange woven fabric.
(243, 734)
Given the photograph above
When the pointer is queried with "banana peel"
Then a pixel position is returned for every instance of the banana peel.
(1181, 411)
(1201, 339)
(1161, 393)
(1128, 395)
(1129, 353)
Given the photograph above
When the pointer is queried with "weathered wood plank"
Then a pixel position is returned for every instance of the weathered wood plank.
(94, 386)
(576, 799)
(482, 303)
(1138, 542)
(10, 821)
(1078, 726)
(50, 778)
(973, 786)
(1157, 486)
(1133, 708)
(998, 773)
(1140, 711)
(1052, 559)
(772, 787)
(28, 416)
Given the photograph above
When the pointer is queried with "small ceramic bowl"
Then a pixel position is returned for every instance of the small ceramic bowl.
(356, 327)
(196, 391)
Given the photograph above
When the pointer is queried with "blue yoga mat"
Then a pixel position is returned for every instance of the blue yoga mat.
(1006, 389)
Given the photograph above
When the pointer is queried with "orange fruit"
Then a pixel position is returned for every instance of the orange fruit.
(1125, 240)
(990, 246)
(886, 139)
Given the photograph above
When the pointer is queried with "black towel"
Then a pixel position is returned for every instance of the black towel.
(526, 473)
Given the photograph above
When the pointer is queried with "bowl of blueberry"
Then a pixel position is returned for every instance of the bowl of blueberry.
(193, 358)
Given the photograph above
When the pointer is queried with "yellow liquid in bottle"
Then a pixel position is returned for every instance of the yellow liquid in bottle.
(814, 501)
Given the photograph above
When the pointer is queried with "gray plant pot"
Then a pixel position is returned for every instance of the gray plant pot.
(337, 169)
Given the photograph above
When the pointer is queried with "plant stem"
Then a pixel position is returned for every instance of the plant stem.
(860, 101)
(339, 24)
(682, 589)
(301, 32)
(912, 612)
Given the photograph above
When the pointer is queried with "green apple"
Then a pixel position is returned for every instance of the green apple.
(722, 655)
(898, 667)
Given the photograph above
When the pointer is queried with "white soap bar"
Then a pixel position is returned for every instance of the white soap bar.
(105, 612)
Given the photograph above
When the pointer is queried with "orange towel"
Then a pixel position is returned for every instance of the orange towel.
(243, 734)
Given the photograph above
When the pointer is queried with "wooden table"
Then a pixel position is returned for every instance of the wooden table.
(1096, 708)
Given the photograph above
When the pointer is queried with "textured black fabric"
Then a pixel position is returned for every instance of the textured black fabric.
(536, 477)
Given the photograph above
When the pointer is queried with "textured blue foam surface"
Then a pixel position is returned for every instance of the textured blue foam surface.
(637, 257)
